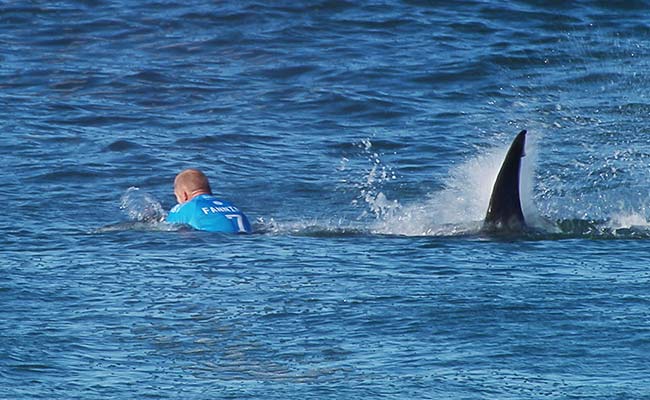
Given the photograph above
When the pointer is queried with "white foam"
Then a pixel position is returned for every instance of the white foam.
(628, 220)
(307, 227)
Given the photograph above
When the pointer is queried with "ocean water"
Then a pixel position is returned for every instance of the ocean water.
(362, 138)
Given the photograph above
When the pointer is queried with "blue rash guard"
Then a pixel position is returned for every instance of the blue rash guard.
(208, 213)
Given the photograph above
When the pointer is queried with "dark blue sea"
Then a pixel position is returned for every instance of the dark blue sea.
(362, 139)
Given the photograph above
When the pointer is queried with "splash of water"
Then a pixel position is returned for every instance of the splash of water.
(145, 213)
(378, 174)
(628, 220)
(141, 206)
(460, 207)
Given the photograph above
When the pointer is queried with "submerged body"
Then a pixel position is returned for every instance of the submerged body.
(206, 212)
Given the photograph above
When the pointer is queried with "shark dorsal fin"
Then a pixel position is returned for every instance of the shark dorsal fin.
(504, 211)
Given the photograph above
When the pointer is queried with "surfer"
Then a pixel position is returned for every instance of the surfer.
(200, 209)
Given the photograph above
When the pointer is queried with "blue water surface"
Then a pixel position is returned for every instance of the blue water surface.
(363, 139)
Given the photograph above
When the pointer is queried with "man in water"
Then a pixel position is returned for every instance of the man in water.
(198, 208)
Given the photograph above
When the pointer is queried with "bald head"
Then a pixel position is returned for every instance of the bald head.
(189, 184)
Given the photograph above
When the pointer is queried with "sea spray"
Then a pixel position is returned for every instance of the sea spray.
(628, 220)
(528, 185)
(368, 185)
(145, 213)
(460, 207)
(456, 209)
(140, 206)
